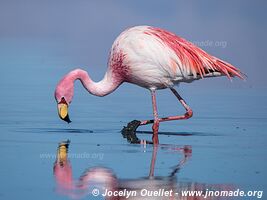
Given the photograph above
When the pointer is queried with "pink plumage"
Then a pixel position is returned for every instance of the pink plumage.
(155, 58)
(152, 58)
(192, 57)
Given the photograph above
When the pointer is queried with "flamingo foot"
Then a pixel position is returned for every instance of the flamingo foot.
(129, 132)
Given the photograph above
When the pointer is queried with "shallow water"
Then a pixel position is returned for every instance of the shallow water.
(227, 136)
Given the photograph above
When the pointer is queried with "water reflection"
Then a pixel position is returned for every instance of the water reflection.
(100, 181)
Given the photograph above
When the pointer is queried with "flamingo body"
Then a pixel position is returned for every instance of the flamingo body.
(156, 59)
(152, 58)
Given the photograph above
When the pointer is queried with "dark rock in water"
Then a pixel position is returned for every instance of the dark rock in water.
(129, 132)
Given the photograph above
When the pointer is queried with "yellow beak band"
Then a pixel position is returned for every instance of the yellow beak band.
(62, 153)
(63, 110)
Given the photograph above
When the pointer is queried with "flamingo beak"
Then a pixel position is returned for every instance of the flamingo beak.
(63, 112)
(62, 152)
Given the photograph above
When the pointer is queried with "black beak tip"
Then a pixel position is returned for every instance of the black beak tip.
(67, 119)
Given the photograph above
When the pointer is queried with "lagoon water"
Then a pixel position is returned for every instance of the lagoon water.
(227, 135)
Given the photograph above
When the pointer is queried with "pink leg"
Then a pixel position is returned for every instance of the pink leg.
(155, 126)
(187, 115)
(153, 161)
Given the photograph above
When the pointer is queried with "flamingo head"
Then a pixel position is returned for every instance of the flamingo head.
(63, 96)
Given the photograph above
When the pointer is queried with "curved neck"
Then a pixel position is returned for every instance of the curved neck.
(102, 88)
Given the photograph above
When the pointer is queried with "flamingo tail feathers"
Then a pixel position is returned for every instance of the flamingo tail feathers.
(228, 69)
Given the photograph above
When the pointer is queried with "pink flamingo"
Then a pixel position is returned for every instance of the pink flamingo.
(152, 58)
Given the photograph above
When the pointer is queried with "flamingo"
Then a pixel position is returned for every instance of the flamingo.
(152, 58)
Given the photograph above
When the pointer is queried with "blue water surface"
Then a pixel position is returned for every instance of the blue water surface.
(227, 134)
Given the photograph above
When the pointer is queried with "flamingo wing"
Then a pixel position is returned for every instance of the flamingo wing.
(191, 60)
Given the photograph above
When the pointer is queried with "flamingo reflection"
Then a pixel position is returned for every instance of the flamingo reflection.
(107, 183)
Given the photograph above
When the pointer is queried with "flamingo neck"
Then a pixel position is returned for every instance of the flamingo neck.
(102, 88)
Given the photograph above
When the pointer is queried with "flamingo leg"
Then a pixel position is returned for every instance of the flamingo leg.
(153, 161)
(155, 126)
(187, 115)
